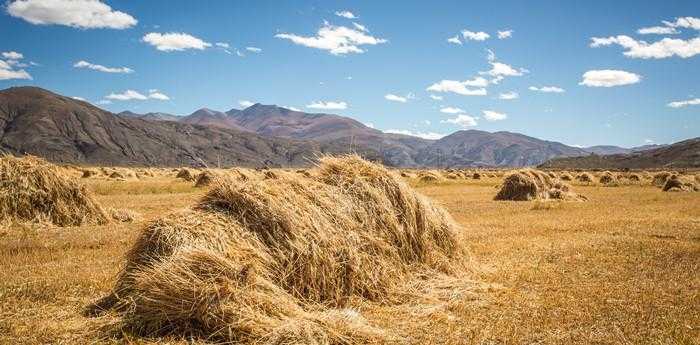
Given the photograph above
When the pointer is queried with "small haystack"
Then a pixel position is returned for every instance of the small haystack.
(187, 174)
(632, 177)
(116, 175)
(32, 189)
(270, 175)
(675, 184)
(303, 172)
(608, 179)
(565, 176)
(525, 185)
(476, 176)
(87, 173)
(205, 178)
(428, 177)
(659, 179)
(275, 261)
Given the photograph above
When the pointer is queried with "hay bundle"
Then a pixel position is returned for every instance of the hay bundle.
(584, 177)
(205, 178)
(633, 177)
(32, 189)
(608, 179)
(303, 172)
(186, 174)
(240, 174)
(675, 184)
(659, 179)
(270, 175)
(451, 176)
(268, 261)
(525, 185)
(551, 174)
(565, 176)
(476, 176)
(428, 177)
(116, 174)
(87, 173)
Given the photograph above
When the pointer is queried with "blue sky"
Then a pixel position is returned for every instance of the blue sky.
(396, 48)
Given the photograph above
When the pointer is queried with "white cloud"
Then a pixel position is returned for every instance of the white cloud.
(685, 22)
(83, 14)
(547, 89)
(330, 105)
(609, 78)
(174, 41)
(290, 108)
(104, 102)
(490, 115)
(475, 36)
(462, 120)
(245, 103)
(130, 95)
(253, 49)
(437, 98)
(460, 87)
(360, 27)
(658, 30)
(679, 104)
(78, 98)
(7, 72)
(222, 45)
(397, 98)
(508, 95)
(369, 124)
(12, 55)
(505, 34)
(455, 39)
(338, 40)
(648, 141)
(451, 110)
(666, 47)
(424, 135)
(499, 69)
(345, 14)
(85, 64)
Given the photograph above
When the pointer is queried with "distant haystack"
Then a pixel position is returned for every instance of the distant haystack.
(87, 173)
(303, 172)
(476, 176)
(633, 177)
(565, 176)
(428, 176)
(659, 179)
(32, 189)
(675, 184)
(273, 261)
(186, 174)
(584, 177)
(205, 178)
(116, 175)
(529, 184)
(608, 179)
(270, 175)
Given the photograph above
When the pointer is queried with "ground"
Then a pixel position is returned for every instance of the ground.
(621, 268)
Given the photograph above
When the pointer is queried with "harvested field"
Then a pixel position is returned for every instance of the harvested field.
(619, 268)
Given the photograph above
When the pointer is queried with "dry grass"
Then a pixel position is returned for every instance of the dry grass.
(619, 269)
(528, 184)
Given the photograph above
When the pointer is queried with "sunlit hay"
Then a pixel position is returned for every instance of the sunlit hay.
(451, 176)
(186, 174)
(476, 176)
(551, 174)
(584, 177)
(565, 176)
(697, 178)
(270, 175)
(276, 261)
(240, 174)
(33, 190)
(87, 173)
(676, 184)
(303, 172)
(123, 215)
(116, 175)
(205, 178)
(428, 177)
(632, 177)
(608, 179)
(525, 185)
(659, 179)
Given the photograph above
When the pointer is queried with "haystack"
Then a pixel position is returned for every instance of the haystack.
(186, 174)
(303, 172)
(584, 177)
(565, 176)
(87, 173)
(659, 179)
(530, 184)
(608, 179)
(275, 261)
(428, 176)
(633, 177)
(205, 178)
(116, 175)
(675, 184)
(32, 189)
(476, 176)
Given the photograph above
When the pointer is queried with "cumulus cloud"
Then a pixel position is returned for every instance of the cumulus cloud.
(461, 87)
(680, 104)
(245, 103)
(490, 115)
(451, 110)
(338, 40)
(462, 120)
(505, 34)
(437, 98)
(666, 47)
(12, 55)
(83, 14)
(131, 95)
(397, 98)
(360, 27)
(8, 71)
(329, 105)
(345, 14)
(508, 95)
(174, 41)
(547, 89)
(101, 68)
(253, 49)
(455, 39)
(684, 22)
(222, 45)
(424, 135)
(475, 36)
(658, 30)
(499, 69)
(609, 78)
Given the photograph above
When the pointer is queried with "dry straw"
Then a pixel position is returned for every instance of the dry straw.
(530, 184)
(32, 189)
(277, 260)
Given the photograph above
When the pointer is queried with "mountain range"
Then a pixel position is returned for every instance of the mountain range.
(62, 129)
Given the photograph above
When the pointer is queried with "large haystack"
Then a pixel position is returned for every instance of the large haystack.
(675, 184)
(584, 177)
(32, 189)
(529, 184)
(270, 261)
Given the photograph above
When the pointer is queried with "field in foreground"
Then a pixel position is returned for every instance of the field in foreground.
(620, 268)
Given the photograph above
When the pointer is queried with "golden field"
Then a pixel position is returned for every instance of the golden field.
(620, 268)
